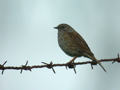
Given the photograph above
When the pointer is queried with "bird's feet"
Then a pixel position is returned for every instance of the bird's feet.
(71, 61)
(94, 62)
(70, 64)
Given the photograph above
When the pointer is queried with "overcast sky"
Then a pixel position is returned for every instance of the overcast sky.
(26, 33)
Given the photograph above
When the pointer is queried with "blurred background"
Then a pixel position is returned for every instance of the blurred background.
(26, 33)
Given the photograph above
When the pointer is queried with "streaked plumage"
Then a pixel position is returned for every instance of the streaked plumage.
(73, 44)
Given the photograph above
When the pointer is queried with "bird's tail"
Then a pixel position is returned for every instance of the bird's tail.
(93, 58)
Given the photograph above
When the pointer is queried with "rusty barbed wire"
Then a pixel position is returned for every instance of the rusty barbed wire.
(50, 65)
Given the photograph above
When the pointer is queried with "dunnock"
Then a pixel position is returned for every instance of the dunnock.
(73, 44)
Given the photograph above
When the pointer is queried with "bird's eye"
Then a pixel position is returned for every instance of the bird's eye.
(62, 27)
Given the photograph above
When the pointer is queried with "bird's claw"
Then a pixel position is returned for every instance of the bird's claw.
(94, 63)
(70, 64)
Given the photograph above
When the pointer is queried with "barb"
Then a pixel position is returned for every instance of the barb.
(25, 67)
(74, 70)
(51, 65)
(71, 66)
(2, 67)
(91, 66)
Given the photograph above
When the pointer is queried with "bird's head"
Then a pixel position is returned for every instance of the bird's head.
(64, 27)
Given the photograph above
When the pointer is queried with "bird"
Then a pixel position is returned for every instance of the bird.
(73, 44)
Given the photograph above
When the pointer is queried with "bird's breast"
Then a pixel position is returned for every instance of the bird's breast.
(67, 44)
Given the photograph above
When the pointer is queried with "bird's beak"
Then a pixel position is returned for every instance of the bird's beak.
(55, 27)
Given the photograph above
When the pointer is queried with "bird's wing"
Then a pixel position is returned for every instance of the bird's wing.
(80, 42)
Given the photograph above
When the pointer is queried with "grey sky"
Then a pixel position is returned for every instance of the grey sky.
(26, 33)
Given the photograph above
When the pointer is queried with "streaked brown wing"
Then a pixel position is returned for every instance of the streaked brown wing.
(80, 42)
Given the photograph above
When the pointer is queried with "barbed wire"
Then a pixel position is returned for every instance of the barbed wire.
(51, 65)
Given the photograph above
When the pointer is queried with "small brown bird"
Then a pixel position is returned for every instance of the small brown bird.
(73, 44)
